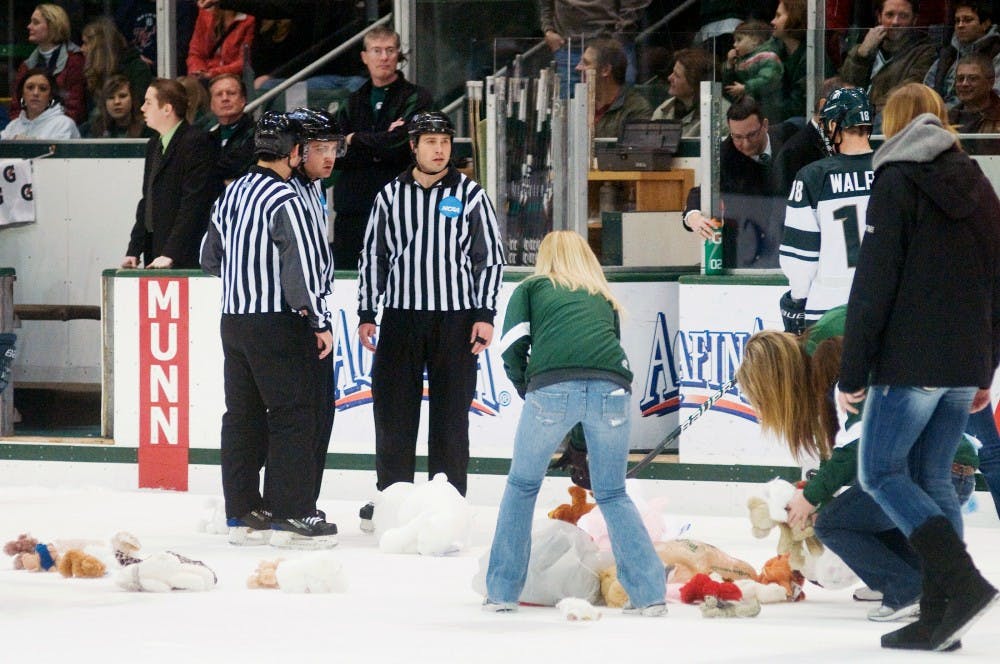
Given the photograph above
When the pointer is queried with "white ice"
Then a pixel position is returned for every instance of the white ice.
(398, 608)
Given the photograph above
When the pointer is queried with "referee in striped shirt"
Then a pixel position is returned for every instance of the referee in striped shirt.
(433, 258)
(275, 322)
(322, 140)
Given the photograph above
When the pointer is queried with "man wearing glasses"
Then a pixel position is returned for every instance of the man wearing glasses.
(978, 109)
(751, 201)
(374, 122)
(974, 34)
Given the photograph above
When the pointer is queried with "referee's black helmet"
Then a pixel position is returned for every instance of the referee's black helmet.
(430, 122)
(276, 135)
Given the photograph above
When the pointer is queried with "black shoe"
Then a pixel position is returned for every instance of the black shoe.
(309, 532)
(367, 513)
(320, 513)
(253, 528)
(968, 595)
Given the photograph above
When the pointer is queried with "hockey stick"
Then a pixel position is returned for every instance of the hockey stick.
(673, 435)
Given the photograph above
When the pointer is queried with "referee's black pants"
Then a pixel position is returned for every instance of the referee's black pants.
(270, 418)
(408, 342)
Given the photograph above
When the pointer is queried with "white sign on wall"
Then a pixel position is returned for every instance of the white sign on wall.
(648, 329)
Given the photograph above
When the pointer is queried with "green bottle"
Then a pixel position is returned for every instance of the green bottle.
(712, 263)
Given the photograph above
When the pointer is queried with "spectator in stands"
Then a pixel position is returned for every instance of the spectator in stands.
(616, 103)
(179, 184)
(119, 115)
(752, 227)
(291, 34)
(234, 134)
(42, 116)
(691, 67)
(49, 30)
(374, 122)
(217, 44)
(978, 109)
(789, 25)
(974, 33)
(891, 54)
(567, 24)
(753, 68)
(136, 19)
(106, 54)
(198, 107)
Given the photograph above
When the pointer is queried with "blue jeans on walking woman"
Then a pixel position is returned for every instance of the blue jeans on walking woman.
(602, 407)
(908, 441)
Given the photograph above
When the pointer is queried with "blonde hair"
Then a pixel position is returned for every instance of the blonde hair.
(104, 56)
(565, 258)
(197, 98)
(790, 390)
(907, 102)
(57, 22)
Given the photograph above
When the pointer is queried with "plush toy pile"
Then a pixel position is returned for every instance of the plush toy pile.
(77, 562)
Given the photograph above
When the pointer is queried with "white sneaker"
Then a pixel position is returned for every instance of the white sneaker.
(651, 611)
(499, 607)
(866, 594)
(883, 613)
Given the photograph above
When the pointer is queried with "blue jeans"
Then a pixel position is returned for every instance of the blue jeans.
(908, 441)
(982, 426)
(602, 407)
(853, 526)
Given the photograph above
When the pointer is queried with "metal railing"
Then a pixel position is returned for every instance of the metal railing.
(309, 69)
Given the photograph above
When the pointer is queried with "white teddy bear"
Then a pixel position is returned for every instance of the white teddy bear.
(162, 572)
(431, 519)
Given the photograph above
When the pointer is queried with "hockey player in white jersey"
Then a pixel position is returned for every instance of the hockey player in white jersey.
(825, 213)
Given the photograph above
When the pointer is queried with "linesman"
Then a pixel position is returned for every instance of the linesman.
(322, 141)
(433, 258)
(274, 324)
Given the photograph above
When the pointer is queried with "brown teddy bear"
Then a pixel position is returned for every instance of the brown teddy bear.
(779, 570)
(577, 507)
(687, 558)
(266, 574)
(24, 543)
(79, 565)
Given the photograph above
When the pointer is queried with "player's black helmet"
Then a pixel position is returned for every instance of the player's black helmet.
(848, 107)
(318, 125)
(275, 134)
(431, 122)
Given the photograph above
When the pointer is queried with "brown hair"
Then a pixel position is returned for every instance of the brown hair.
(754, 29)
(790, 390)
(698, 65)
(169, 91)
(907, 102)
(105, 122)
(383, 32)
(797, 21)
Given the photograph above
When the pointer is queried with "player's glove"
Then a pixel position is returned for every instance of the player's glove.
(793, 313)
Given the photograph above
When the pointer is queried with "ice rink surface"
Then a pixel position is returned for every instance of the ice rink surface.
(398, 608)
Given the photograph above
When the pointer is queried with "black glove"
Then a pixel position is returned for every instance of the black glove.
(574, 462)
(793, 313)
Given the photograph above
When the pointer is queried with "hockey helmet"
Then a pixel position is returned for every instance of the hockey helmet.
(275, 134)
(319, 125)
(430, 122)
(848, 107)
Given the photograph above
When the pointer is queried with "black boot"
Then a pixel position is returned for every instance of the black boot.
(917, 635)
(967, 594)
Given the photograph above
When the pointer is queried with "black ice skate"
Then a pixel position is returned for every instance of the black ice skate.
(367, 513)
(251, 529)
(309, 532)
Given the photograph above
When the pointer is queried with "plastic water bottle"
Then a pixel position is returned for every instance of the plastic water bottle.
(713, 251)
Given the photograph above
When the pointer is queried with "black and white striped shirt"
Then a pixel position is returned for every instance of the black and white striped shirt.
(263, 245)
(311, 193)
(436, 249)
